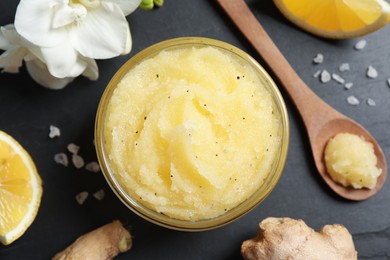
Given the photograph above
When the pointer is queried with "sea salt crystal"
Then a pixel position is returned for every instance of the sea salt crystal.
(348, 85)
(388, 82)
(61, 158)
(325, 76)
(73, 148)
(319, 58)
(54, 131)
(344, 67)
(371, 102)
(99, 195)
(317, 74)
(372, 73)
(352, 100)
(337, 78)
(82, 197)
(360, 45)
(77, 161)
(92, 167)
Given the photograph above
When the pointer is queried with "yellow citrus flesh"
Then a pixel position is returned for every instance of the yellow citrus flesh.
(20, 189)
(336, 18)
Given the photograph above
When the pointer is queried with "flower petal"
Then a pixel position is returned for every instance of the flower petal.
(64, 15)
(90, 3)
(62, 61)
(33, 20)
(127, 6)
(92, 70)
(103, 34)
(39, 72)
(8, 36)
(12, 59)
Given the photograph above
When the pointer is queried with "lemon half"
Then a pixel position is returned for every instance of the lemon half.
(20, 189)
(336, 19)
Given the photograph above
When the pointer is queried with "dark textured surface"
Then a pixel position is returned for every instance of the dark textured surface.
(27, 110)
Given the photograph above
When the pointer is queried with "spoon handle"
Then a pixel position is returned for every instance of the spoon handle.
(314, 111)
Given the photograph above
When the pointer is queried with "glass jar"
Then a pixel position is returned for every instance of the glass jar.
(131, 195)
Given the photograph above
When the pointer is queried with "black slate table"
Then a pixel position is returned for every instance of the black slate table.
(27, 110)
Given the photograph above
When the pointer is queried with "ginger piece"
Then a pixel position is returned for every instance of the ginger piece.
(286, 238)
(103, 243)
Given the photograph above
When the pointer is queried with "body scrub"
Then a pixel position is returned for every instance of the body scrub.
(351, 161)
(191, 132)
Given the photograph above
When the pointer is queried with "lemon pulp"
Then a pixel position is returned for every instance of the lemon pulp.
(20, 189)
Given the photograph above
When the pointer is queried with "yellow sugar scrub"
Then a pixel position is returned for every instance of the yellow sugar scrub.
(190, 130)
(351, 161)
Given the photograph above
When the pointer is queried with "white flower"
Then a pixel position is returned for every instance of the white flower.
(17, 49)
(67, 29)
(60, 39)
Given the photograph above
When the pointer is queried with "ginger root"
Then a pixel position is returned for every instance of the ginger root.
(286, 238)
(103, 243)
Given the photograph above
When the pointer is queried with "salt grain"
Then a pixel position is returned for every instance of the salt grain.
(388, 82)
(54, 131)
(319, 58)
(344, 67)
(82, 197)
(360, 45)
(337, 78)
(371, 102)
(77, 161)
(352, 100)
(325, 76)
(61, 158)
(317, 74)
(372, 73)
(348, 85)
(72, 148)
(99, 195)
(92, 167)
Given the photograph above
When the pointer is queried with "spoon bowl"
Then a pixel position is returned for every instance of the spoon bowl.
(322, 122)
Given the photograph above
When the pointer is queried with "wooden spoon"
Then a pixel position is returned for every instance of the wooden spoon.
(321, 121)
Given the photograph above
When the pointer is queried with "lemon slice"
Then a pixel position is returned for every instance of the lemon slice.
(336, 19)
(20, 189)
